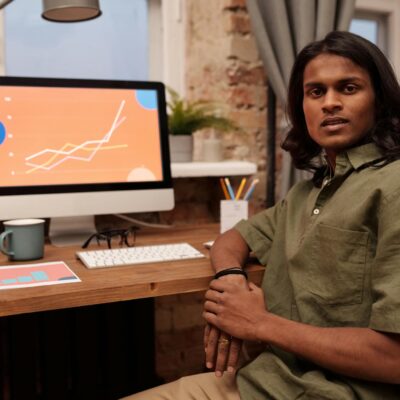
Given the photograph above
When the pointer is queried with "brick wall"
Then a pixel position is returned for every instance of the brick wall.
(223, 66)
(179, 326)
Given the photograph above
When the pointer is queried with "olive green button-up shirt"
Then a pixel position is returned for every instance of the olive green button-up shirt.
(333, 259)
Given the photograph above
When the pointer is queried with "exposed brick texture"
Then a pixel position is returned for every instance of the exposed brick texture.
(238, 22)
(179, 345)
(223, 65)
(234, 4)
(243, 48)
(239, 73)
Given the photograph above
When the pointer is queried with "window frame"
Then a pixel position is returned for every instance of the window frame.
(167, 63)
(389, 10)
(381, 21)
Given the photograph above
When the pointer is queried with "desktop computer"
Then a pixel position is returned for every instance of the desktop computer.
(72, 148)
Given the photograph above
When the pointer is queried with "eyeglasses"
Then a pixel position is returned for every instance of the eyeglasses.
(126, 237)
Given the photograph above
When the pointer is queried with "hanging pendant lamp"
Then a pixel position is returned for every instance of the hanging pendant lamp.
(3, 3)
(70, 10)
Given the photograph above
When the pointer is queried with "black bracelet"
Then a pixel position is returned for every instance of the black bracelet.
(228, 271)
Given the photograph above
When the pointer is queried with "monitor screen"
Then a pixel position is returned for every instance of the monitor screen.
(81, 147)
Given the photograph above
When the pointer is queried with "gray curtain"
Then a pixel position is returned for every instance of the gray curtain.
(282, 28)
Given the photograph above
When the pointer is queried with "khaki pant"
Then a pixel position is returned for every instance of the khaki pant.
(196, 387)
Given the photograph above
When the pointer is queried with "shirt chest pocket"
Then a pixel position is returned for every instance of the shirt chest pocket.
(337, 266)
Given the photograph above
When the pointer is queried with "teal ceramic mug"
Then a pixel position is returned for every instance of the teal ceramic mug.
(23, 239)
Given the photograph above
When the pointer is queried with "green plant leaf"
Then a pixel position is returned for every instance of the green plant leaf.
(186, 117)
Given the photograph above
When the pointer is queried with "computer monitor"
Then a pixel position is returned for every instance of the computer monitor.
(72, 148)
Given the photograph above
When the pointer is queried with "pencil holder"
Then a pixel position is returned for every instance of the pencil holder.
(231, 212)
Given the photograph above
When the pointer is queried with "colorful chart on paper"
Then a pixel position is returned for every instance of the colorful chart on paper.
(78, 136)
(29, 275)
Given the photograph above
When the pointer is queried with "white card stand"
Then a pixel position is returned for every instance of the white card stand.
(231, 212)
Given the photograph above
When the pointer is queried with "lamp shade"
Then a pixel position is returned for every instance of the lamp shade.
(70, 10)
(3, 3)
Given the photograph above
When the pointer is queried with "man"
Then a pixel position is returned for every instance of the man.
(329, 307)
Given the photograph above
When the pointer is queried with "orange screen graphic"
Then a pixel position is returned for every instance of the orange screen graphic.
(78, 135)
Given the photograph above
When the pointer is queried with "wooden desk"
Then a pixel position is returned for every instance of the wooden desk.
(115, 284)
(113, 338)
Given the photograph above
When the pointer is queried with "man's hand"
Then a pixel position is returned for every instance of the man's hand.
(234, 308)
(222, 350)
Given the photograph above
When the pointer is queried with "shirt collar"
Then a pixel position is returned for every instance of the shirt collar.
(361, 155)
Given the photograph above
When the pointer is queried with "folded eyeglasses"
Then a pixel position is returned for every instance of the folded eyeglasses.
(126, 237)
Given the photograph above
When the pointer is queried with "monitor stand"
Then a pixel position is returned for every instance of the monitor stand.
(69, 231)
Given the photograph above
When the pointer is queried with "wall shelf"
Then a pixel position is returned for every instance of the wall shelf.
(203, 169)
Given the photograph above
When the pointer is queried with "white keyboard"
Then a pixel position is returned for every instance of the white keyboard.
(137, 255)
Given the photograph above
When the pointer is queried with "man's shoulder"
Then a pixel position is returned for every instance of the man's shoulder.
(385, 178)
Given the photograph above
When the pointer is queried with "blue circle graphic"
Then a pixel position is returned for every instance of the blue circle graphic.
(2, 133)
(147, 98)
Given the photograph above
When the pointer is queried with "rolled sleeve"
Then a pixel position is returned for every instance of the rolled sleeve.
(259, 231)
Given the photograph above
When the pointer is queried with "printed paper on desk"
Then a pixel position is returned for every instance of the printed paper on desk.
(232, 211)
(40, 274)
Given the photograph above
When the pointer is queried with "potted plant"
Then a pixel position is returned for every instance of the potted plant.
(186, 117)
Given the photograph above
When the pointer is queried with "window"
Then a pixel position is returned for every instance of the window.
(380, 20)
(100, 48)
(129, 41)
(371, 26)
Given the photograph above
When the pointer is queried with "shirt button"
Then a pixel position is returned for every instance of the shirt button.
(316, 211)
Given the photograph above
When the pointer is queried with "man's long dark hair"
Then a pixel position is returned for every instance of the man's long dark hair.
(385, 133)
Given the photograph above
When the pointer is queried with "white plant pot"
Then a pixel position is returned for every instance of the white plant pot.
(212, 150)
(181, 148)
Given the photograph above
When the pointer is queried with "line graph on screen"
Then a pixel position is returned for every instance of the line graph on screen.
(60, 136)
(69, 150)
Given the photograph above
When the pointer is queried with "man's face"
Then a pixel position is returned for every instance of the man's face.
(338, 103)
